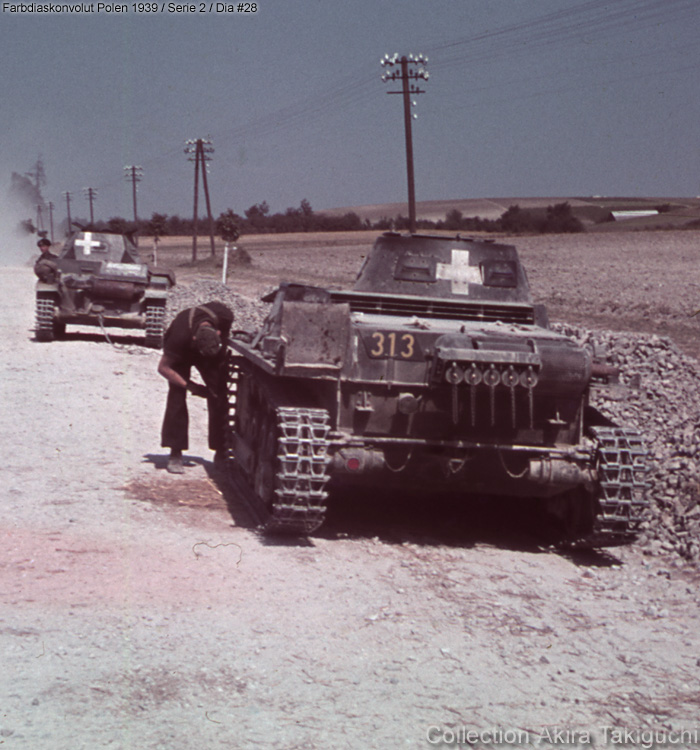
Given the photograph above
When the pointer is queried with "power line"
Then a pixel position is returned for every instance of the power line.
(594, 21)
(591, 21)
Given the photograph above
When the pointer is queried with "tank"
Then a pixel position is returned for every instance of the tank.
(100, 280)
(434, 372)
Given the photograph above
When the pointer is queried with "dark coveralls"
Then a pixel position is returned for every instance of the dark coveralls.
(45, 267)
(178, 344)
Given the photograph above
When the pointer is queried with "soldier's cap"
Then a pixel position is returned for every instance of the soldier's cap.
(44, 241)
(207, 341)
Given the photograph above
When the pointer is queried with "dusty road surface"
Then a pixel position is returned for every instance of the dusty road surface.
(142, 610)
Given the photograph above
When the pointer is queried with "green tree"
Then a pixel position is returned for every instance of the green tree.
(560, 219)
(516, 220)
(453, 220)
(118, 225)
(257, 215)
(157, 226)
(228, 227)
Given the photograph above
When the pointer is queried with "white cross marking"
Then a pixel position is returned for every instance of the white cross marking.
(459, 272)
(88, 243)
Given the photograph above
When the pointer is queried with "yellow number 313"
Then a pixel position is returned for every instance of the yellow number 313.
(393, 345)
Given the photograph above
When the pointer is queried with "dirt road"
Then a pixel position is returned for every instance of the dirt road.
(141, 610)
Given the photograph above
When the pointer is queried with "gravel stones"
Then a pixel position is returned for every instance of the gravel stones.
(663, 403)
(248, 313)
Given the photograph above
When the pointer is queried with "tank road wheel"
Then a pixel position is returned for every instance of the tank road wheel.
(155, 324)
(46, 326)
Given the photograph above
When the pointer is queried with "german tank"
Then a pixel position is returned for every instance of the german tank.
(435, 371)
(99, 279)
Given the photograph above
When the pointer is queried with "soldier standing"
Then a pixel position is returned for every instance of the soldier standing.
(196, 338)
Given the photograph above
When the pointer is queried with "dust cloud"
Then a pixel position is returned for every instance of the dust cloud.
(17, 248)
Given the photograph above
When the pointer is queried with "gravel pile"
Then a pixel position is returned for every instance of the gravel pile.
(663, 403)
(248, 313)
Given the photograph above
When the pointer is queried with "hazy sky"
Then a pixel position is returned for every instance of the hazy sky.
(525, 98)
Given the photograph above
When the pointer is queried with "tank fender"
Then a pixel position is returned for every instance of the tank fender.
(43, 286)
(155, 294)
(161, 278)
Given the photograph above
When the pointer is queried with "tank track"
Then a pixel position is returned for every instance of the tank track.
(621, 464)
(44, 330)
(300, 471)
(155, 323)
(299, 506)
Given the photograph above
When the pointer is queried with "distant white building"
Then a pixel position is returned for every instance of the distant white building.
(634, 214)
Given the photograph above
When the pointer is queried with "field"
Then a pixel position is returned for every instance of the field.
(645, 281)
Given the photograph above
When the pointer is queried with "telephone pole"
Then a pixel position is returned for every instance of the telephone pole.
(67, 196)
(200, 147)
(134, 174)
(410, 71)
(91, 195)
(50, 206)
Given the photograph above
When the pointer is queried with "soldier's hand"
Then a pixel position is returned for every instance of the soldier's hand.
(197, 389)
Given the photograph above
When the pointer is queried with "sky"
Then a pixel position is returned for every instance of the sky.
(524, 98)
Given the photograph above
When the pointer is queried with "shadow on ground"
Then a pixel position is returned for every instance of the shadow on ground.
(392, 517)
(212, 491)
(451, 520)
(97, 336)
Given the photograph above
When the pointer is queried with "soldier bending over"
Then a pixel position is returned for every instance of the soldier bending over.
(196, 337)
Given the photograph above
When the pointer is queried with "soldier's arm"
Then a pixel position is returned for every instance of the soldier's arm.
(165, 368)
